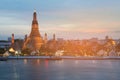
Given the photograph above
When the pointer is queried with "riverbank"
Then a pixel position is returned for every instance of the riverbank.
(67, 57)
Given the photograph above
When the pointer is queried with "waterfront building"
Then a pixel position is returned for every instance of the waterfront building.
(34, 40)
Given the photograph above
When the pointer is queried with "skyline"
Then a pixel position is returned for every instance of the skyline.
(79, 19)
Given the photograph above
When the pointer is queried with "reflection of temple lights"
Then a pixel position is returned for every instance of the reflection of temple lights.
(76, 62)
(38, 61)
(59, 61)
(46, 64)
(16, 75)
(25, 61)
(93, 61)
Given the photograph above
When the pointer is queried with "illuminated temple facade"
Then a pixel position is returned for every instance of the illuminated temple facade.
(34, 40)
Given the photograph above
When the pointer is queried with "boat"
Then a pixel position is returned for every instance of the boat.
(3, 58)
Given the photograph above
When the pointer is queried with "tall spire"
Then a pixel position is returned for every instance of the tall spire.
(34, 18)
(34, 41)
(54, 38)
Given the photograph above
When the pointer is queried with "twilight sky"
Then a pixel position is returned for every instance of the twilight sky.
(69, 19)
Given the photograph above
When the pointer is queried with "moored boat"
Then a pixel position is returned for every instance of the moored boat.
(3, 58)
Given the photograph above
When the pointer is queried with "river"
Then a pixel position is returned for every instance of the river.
(66, 69)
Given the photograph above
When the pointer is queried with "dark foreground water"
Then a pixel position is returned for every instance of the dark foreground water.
(36, 69)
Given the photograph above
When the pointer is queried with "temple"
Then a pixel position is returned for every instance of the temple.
(34, 40)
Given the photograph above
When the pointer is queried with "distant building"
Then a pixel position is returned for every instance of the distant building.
(9, 39)
(5, 44)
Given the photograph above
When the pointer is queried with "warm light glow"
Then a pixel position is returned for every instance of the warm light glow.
(113, 43)
(11, 50)
(16, 52)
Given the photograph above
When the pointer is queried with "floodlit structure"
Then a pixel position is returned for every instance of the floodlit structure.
(34, 40)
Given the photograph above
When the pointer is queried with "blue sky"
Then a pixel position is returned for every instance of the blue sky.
(70, 19)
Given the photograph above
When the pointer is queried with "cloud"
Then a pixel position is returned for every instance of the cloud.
(64, 16)
(96, 20)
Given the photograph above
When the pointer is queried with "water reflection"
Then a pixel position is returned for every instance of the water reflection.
(38, 61)
(16, 75)
(58, 61)
(37, 69)
(25, 61)
(94, 62)
(76, 62)
(46, 64)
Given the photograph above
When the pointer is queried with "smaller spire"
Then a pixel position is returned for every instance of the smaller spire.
(45, 34)
(54, 38)
(45, 38)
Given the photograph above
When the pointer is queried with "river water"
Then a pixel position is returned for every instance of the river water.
(66, 69)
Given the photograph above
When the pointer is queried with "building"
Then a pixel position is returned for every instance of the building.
(34, 40)
(6, 44)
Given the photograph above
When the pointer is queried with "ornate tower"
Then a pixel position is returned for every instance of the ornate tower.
(54, 38)
(12, 41)
(45, 38)
(34, 41)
